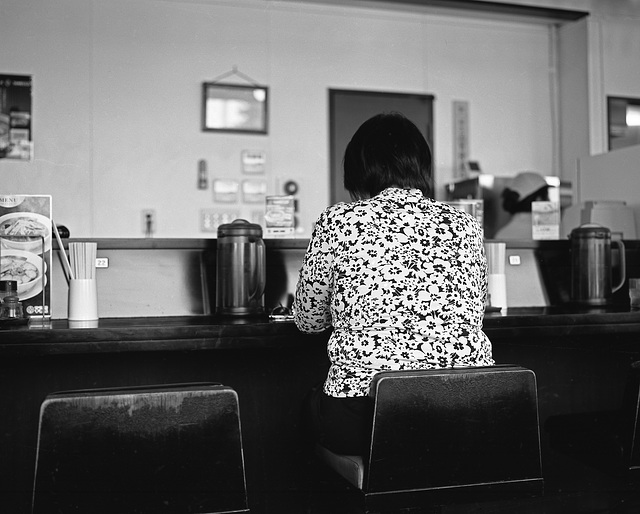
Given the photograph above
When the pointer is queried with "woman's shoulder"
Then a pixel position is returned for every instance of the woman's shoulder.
(451, 211)
(334, 216)
(344, 209)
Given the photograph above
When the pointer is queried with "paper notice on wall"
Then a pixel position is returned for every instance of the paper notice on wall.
(545, 220)
(253, 161)
(254, 191)
(279, 216)
(460, 111)
(225, 190)
(25, 249)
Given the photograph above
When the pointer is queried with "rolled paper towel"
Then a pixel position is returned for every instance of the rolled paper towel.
(497, 281)
(497, 289)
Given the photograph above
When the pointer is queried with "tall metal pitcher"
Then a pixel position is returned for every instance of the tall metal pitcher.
(591, 268)
(240, 269)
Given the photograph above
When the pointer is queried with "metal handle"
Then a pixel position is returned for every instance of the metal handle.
(260, 271)
(623, 267)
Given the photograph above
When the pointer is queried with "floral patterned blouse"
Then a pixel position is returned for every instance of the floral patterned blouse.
(402, 279)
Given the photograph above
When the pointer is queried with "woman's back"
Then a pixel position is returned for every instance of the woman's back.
(405, 259)
(407, 287)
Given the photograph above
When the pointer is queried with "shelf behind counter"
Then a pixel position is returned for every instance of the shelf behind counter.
(177, 277)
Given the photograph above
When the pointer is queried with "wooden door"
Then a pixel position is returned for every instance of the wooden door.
(348, 109)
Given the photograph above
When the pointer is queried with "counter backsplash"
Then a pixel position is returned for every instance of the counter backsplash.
(176, 277)
(172, 277)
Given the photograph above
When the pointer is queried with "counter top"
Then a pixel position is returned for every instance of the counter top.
(147, 334)
(189, 333)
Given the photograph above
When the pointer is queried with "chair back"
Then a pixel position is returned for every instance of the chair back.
(156, 449)
(448, 429)
(631, 421)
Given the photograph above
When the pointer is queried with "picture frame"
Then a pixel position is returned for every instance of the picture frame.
(623, 115)
(235, 108)
(16, 138)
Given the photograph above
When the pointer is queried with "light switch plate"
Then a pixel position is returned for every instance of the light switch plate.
(211, 219)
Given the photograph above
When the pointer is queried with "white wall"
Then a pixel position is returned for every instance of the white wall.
(52, 41)
(574, 83)
(117, 87)
(621, 49)
(612, 176)
(611, 67)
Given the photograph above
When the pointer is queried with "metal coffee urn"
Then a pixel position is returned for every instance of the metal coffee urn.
(240, 269)
(591, 268)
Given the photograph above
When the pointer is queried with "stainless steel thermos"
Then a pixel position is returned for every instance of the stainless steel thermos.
(591, 265)
(240, 269)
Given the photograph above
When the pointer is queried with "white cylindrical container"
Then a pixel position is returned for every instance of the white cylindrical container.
(497, 281)
(497, 289)
(83, 299)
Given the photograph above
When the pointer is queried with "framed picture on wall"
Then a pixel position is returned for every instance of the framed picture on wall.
(624, 121)
(234, 108)
(16, 141)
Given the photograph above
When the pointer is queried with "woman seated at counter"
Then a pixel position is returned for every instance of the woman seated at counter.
(400, 277)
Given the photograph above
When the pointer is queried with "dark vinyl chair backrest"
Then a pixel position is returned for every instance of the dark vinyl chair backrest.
(151, 449)
(631, 420)
(460, 428)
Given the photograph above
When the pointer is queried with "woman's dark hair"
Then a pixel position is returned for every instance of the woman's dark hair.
(387, 150)
(512, 203)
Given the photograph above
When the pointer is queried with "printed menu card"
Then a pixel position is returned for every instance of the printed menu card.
(25, 249)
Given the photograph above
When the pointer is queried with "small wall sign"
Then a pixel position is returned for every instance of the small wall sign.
(253, 161)
(225, 191)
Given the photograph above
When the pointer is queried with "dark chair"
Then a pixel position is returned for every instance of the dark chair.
(155, 449)
(448, 436)
(631, 408)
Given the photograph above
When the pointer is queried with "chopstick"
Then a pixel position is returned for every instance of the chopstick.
(83, 259)
(65, 260)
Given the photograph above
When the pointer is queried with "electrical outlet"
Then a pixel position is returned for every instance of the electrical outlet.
(211, 219)
(148, 222)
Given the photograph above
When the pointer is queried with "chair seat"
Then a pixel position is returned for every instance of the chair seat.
(350, 467)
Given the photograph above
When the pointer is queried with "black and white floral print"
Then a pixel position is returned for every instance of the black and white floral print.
(402, 280)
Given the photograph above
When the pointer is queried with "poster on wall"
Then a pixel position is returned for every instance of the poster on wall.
(16, 141)
(460, 138)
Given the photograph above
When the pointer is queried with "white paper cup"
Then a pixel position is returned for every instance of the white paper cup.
(83, 300)
(497, 288)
